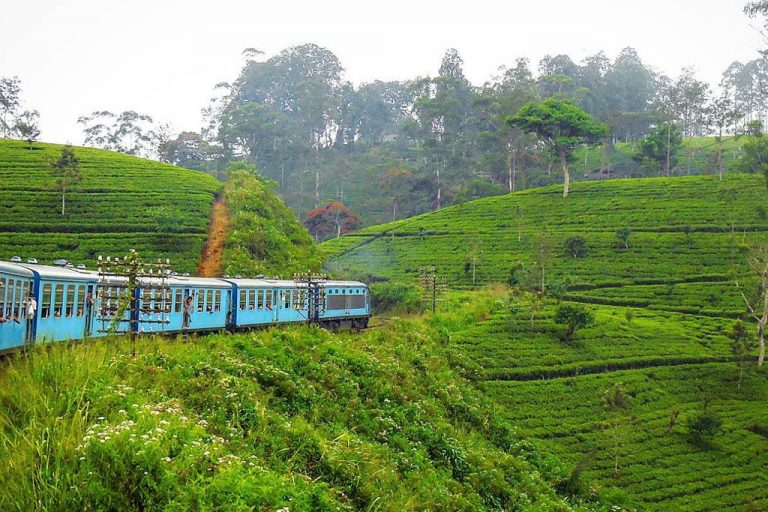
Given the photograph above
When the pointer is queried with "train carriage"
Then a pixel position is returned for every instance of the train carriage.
(16, 284)
(74, 303)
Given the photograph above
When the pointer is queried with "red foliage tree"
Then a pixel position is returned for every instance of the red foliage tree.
(332, 219)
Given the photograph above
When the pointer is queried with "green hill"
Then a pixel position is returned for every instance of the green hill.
(122, 202)
(285, 419)
(663, 303)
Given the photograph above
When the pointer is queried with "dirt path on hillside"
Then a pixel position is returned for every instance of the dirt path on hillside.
(210, 260)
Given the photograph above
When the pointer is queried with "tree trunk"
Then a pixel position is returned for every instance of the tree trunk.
(761, 343)
(669, 148)
(566, 174)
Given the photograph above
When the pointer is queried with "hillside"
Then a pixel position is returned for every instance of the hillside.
(122, 202)
(681, 230)
(284, 419)
(663, 301)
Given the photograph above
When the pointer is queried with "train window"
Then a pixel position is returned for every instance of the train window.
(287, 302)
(217, 300)
(57, 303)
(80, 300)
(300, 298)
(199, 298)
(268, 299)
(9, 298)
(251, 299)
(243, 299)
(261, 299)
(69, 310)
(23, 299)
(178, 299)
(167, 300)
(2, 294)
(45, 303)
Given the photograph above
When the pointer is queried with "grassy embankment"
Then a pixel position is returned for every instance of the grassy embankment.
(121, 203)
(664, 306)
(288, 419)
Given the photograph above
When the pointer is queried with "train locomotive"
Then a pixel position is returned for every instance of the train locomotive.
(74, 303)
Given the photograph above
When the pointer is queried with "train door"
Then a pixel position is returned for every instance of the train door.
(187, 308)
(90, 312)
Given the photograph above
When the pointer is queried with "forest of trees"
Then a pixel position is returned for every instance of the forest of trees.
(394, 149)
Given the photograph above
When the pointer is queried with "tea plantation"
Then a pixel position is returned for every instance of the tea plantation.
(664, 302)
(122, 202)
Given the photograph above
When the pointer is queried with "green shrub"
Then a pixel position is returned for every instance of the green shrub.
(703, 427)
(575, 247)
(395, 298)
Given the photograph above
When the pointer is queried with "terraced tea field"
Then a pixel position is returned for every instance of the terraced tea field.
(122, 202)
(664, 304)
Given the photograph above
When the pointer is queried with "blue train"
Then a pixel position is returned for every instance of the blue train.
(71, 303)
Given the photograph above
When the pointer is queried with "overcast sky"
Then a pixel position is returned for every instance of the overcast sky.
(163, 57)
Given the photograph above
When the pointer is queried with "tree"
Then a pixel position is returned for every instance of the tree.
(757, 302)
(128, 132)
(659, 148)
(575, 247)
(703, 427)
(67, 171)
(562, 127)
(616, 402)
(754, 157)
(572, 317)
(722, 114)
(741, 346)
(333, 219)
(10, 93)
(26, 126)
(622, 235)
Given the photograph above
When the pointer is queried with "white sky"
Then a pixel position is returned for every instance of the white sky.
(163, 57)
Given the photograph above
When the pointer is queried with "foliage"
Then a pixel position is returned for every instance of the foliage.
(622, 235)
(66, 170)
(296, 117)
(286, 418)
(333, 219)
(575, 247)
(658, 150)
(109, 212)
(128, 132)
(27, 126)
(572, 317)
(703, 427)
(561, 126)
(264, 236)
(395, 298)
(754, 158)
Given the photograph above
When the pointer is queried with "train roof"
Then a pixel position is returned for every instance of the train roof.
(48, 271)
(85, 275)
(14, 269)
(284, 283)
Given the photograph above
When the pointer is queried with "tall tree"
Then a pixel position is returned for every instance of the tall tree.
(10, 97)
(756, 296)
(127, 132)
(67, 171)
(27, 126)
(562, 127)
(722, 116)
(658, 150)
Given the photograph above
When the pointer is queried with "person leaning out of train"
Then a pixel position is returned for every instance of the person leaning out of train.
(31, 307)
